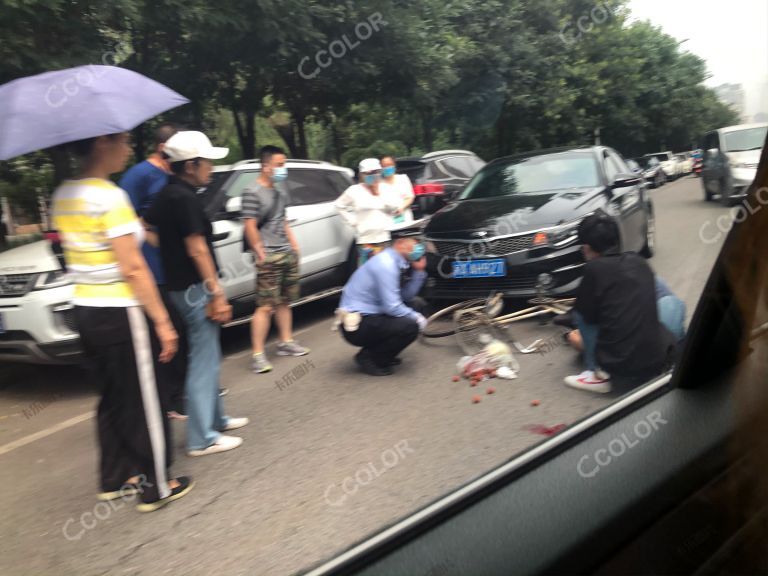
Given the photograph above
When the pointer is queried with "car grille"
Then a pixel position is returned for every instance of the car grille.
(481, 248)
(526, 282)
(15, 284)
(66, 319)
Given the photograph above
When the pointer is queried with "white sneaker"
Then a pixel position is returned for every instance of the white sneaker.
(597, 381)
(235, 423)
(223, 444)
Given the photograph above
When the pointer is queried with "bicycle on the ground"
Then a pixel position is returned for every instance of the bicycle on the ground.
(471, 319)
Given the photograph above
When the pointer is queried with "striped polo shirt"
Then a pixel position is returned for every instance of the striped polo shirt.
(88, 213)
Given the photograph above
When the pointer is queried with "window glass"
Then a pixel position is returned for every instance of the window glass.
(243, 180)
(306, 186)
(458, 166)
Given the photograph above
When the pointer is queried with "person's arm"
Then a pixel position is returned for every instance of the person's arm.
(388, 285)
(587, 298)
(251, 212)
(408, 192)
(291, 237)
(345, 204)
(197, 249)
(419, 276)
(136, 272)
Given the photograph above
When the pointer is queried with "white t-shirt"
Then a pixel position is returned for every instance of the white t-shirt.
(369, 214)
(402, 190)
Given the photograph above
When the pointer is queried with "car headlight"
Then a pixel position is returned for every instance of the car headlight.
(53, 279)
(564, 235)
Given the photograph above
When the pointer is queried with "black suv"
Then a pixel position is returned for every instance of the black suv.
(438, 177)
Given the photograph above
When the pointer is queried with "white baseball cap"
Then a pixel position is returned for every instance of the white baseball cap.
(189, 145)
(369, 165)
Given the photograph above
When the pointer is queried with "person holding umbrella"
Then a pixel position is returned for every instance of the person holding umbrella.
(115, 298)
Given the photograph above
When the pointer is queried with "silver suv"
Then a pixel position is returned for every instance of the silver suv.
(36, 322)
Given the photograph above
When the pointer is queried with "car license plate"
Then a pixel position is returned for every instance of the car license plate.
(480, 269)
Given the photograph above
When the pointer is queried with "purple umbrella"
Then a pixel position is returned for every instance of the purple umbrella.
(67, 105)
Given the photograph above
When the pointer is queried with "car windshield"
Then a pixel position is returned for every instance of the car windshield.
(548, 173)
(659, 157)
(743, 140)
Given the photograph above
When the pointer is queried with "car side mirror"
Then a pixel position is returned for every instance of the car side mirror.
(624, 180)
(233, 208)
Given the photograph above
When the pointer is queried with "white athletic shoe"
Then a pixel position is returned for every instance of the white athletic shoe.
(223, 444)
(597, 381)
(235, 423)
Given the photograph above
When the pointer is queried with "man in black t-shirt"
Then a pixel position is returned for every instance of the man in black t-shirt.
(191, 276)
(615, 310)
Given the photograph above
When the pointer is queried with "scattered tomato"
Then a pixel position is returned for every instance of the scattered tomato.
(475, 399)
(491, 390)
(455, 378)
(535, 402)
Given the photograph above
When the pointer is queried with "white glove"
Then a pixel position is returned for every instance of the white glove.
(422, 321)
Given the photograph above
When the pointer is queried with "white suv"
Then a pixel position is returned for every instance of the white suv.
(36, 321)
(669, 164)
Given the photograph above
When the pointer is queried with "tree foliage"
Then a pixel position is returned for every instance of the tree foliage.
(494, 76)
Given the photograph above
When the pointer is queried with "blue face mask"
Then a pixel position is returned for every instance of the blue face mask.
(279, 174)
(371, 179)
(417, 253)
(388, 171)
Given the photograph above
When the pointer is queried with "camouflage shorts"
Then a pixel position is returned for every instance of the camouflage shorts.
(277, 279)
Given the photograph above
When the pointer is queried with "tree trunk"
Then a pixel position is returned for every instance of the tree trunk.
(337, 142)
(426, 126)
(249, 142)
(138, 143)
(300, 123)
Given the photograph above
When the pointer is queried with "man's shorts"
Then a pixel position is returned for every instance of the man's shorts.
(277, 279)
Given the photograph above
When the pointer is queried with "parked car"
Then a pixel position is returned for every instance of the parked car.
(669, 163)
(650, 168)
(36, 322)
(686, 163)
(518, 218)
(438, 177)
(730, 161)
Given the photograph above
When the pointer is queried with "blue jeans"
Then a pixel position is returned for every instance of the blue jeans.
(204, 405)
(671, 311)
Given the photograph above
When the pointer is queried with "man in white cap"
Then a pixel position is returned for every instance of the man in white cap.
(368, 210)
(191, 275)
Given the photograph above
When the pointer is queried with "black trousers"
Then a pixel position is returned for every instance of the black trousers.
(383, 337)
(172, 375)
(133, 428)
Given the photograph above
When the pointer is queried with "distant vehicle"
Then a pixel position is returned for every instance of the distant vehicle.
(698, 161)
(669, 163)
(517, 222)
(686, 163)
(438, 177)
(36, 317)
(730, 161)
(651, 170)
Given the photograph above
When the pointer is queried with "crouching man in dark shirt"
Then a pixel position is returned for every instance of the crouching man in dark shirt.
(615, 311)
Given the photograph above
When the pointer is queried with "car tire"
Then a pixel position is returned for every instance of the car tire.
(661, 178)
(707, 192)
(725, 197)
(650, 236)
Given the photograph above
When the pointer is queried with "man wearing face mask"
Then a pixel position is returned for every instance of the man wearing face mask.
(374, 313)
(276, 251)
(368, 208)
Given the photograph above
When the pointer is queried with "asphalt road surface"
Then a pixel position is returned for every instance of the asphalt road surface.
(328, 459)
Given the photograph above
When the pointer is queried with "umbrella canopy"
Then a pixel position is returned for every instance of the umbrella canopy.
(67, 105)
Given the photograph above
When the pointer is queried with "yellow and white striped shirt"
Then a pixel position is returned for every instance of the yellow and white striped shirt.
(88, 213)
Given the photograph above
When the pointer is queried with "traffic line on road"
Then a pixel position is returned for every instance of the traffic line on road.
(47, 432)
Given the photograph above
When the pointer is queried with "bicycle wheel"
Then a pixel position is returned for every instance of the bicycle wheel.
(441, 323)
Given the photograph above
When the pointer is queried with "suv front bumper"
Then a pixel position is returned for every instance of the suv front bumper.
(39, 328)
